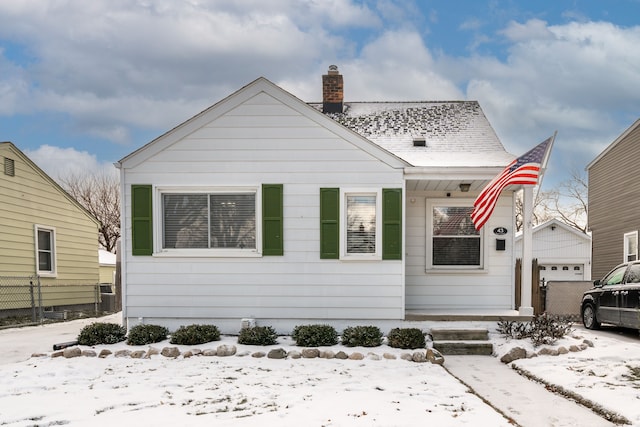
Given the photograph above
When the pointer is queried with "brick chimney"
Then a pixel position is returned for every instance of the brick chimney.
(332, 91)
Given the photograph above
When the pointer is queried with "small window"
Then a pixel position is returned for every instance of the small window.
(45, 250)
(361, 213)
(9, 167)
(419, 142)
(543, 268)
(565, 268)
(576, 268)
(554, 268)
(630, 246)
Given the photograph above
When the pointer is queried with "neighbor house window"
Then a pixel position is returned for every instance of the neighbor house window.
(453, 241)
(225, 220)
(631, 246)
(45, 250)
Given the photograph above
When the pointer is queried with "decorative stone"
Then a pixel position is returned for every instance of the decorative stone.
(356, 356)
(226, 350)
(122, 353)
(588, 342)
(574, 348)
(57, 354)
(258, 354)
(70, 352)
(196, 351)
(153, 351)
(373, 356)
(104, 353)
(514, 354)
(327, 354)
(547, 352)
(562, 350)
(277, 353)
(389, 356)
(172, 352)
(294, 354)
(419, 357)
(39, 355)
(406, 356)
(583, 346)
(310, 353)
(138, 354)
(434, 356)
(342, 355)
(243, 353)
(89, 353)
(209, 352)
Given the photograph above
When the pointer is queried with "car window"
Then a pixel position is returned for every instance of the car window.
(633, 276)
(614, 277)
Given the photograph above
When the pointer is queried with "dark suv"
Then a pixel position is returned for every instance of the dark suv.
(614, 299)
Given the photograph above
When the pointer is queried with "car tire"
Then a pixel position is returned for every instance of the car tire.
(589, 319)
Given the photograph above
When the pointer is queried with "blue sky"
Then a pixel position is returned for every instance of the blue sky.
(83, 84)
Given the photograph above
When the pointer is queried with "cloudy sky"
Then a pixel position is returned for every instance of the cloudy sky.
(84, 83)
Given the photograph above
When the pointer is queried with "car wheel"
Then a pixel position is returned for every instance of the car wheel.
(589, 317)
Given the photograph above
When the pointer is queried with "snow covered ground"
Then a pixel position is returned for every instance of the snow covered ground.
(248, 391)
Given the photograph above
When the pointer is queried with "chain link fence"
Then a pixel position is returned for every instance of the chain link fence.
(26, 301)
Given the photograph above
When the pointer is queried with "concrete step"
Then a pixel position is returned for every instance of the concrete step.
(477, 348)
(446, 334)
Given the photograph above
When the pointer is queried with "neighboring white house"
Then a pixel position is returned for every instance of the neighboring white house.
(563, 252)
(267, 207)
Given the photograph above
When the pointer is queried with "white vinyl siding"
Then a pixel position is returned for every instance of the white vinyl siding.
(262, 140)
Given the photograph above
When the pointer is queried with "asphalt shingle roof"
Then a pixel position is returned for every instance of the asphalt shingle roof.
(456, 133)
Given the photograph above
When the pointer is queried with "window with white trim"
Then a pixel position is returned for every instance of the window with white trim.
(452, 240)
(45, 250)
(361, 213)
(221, 220)
(630, 246)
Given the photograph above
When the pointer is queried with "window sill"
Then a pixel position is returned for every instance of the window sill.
(360, 258)
(456, 270)
(195, 253)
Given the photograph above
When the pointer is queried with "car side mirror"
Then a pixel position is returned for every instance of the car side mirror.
(597, 284)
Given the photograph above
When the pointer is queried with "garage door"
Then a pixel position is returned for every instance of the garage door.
(562, 272)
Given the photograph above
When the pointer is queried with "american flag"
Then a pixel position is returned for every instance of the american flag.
(525, 170)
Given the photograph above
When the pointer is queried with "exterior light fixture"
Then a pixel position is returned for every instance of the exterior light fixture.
(464, 187)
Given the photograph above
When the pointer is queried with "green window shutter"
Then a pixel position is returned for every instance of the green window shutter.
(272, 224)
(391, 223)
(141, 220)
(329, 223)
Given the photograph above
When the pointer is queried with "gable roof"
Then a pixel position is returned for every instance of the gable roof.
(557, 223)
(47, 178)
(455, 133)
(624, 134)
(260, 85)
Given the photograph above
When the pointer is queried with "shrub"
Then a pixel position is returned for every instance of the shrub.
(146, 334)
(408, 338)
(362, 336)
(258, 335)
(195, 334)
(543, 329)
(314, 335)
(102, 333)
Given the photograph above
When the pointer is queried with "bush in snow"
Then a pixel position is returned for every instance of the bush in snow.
(543, 329)
(102, 333)
(362, 336)
(258, 335)
(147, 334)
(195, 334)
(314, 335)
(408, 338)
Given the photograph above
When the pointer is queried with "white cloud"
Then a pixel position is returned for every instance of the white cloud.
(58, 162)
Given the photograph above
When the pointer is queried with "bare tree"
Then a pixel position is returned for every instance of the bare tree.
(99, 193)
(566, 202)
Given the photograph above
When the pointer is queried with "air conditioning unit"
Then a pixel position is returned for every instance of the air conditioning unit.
(248, 323)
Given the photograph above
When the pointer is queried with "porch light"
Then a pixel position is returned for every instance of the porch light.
(464, 187)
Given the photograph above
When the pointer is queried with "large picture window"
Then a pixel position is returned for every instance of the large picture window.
(45, 250)
(454, 241)
(209, 220)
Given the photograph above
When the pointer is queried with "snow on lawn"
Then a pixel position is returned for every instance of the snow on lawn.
(606, 375)
(236, 391)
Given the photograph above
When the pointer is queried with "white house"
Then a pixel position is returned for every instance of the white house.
(267, 207)
(563, 252)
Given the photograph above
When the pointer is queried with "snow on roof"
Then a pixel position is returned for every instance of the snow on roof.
(455, 133)
(106, 257)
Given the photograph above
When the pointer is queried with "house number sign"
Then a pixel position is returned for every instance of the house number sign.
(500, 231)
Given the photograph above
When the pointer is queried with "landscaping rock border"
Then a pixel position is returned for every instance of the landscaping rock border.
(520, 353)
(225, 350)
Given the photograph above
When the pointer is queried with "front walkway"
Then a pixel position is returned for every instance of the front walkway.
(528, 403)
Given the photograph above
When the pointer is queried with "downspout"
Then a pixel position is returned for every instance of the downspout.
(122, 248)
